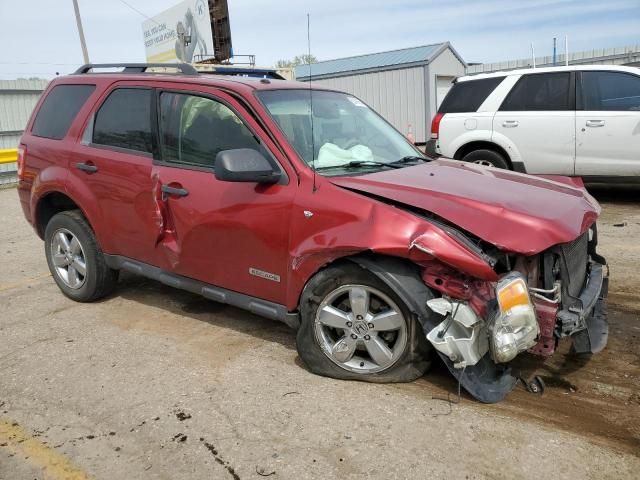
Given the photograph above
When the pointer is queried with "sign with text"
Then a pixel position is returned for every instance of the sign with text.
(179, 34)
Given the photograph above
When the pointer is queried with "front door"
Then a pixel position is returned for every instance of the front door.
(231, 234)
(608, 124)
(538, 119)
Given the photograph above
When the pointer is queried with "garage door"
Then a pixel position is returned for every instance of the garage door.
(443, 84)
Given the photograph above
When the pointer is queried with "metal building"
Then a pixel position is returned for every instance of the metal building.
(405, 86)
(17, 99)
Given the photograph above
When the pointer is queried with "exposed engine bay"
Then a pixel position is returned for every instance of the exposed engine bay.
(537, 301)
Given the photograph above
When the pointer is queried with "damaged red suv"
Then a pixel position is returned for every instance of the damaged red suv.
(305, 206)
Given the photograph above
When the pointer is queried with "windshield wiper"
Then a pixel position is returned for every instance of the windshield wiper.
(362, 163)
(411, 158)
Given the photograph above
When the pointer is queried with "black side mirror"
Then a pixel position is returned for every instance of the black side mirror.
(244, 165)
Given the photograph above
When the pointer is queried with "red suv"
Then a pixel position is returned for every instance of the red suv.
(305, 206)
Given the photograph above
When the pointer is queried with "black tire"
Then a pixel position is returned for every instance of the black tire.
(99, 280)
(411, 364)
(489, 156)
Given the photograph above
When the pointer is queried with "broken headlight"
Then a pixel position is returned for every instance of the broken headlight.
(514, 327)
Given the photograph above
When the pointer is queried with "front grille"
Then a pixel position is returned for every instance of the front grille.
(576, 258)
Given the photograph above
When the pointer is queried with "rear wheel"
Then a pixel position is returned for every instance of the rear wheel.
(486, 157)
(75, 259)
(355, 327)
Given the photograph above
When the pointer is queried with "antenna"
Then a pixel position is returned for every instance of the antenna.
(313, 146)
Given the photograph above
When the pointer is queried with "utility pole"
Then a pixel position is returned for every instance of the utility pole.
(554, 51)
(83, 44)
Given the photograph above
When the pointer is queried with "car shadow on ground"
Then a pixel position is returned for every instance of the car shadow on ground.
(615, 193)
(180, 302)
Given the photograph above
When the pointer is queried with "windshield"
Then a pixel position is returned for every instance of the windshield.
(344, 134)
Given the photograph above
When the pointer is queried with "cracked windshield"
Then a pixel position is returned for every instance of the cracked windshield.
(345, 135)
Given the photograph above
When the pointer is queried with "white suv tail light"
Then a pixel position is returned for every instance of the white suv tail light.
(435, 125)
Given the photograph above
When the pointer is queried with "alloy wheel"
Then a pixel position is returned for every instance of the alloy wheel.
(485, 163)
(360, 329)
(68, 258)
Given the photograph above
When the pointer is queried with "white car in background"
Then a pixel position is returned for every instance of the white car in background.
(577, 121)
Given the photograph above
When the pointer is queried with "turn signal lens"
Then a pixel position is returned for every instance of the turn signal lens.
(512, 294)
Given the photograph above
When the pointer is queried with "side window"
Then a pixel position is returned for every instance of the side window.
(610, 91)
(540, 91)
(58, 110)
(124, 120)
(468, 96)
(194, 129)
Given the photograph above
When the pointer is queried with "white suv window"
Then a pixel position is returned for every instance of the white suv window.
(541, 92)
(466, 97)
(610, 91)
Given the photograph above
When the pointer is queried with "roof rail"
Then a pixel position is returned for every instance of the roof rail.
(183, 68)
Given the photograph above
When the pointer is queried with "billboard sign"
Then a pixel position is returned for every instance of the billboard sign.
(179, 34)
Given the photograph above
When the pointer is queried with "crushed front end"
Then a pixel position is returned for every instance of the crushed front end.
(536, 301)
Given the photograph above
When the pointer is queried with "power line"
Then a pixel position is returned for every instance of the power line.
(138, 11)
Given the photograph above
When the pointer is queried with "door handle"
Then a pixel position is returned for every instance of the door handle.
(87, 167)
(510, 123)
(173, 191)
(595, 123)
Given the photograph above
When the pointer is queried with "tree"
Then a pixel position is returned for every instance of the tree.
(303, 59)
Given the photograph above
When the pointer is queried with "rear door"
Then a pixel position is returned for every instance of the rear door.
(608, 124)
(113, 161)
(230, 234)
(537, 119)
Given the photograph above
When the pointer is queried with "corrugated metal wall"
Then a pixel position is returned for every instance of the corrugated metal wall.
(17, 99)
(397, 94)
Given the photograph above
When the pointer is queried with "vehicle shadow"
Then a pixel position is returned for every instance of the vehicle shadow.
(180, 302)
(615, 193)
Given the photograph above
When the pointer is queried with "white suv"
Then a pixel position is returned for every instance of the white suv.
(582, 120)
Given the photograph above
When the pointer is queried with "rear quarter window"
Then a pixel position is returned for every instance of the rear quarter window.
(468, 96)
(58, 110)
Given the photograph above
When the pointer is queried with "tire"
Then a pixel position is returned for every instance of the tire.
(486, 157)
(81, 248)
(410, 350)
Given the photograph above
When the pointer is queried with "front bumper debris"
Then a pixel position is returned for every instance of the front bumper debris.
(591, 322)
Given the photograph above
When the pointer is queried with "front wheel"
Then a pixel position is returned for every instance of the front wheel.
(75, 259)
(355, 327)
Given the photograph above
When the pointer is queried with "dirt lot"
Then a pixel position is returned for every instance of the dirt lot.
(158, 383)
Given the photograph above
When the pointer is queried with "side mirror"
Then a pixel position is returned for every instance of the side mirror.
(244, 165)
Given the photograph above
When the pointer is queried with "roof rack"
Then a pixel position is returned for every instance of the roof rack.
(183, 68)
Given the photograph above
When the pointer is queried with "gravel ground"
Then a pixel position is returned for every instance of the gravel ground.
(158, 383)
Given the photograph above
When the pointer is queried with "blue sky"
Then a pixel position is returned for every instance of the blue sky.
(40, 36)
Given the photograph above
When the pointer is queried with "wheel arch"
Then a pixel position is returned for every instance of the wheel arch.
(482, 145)
(52, 203)
(399, 274)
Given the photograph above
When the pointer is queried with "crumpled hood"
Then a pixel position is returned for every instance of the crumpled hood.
(513, 211)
